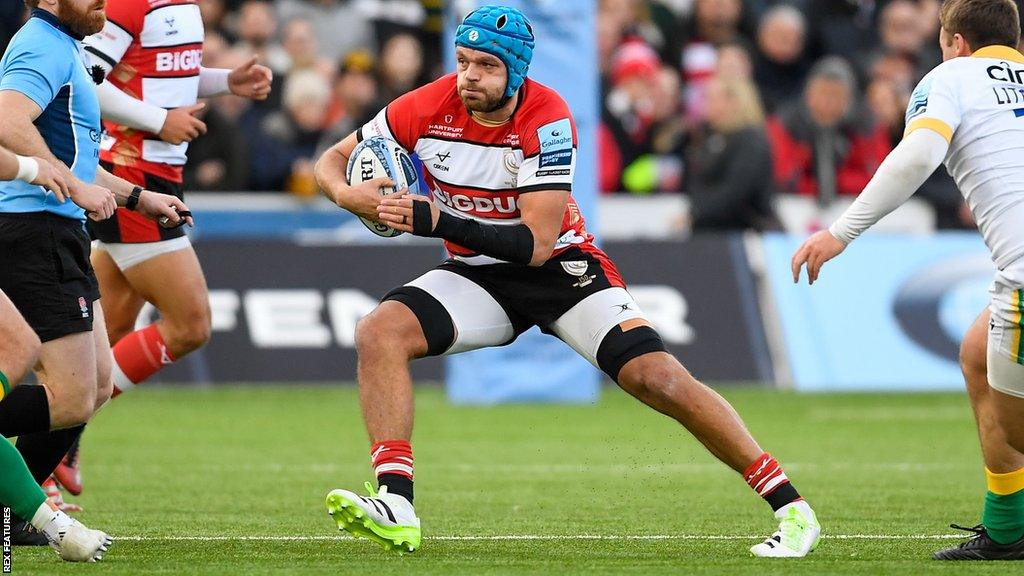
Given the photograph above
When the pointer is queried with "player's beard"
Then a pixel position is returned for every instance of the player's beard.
(83, 22)
(488, 103)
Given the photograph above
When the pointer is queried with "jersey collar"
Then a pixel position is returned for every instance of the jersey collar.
(999, 52)
(52, 20)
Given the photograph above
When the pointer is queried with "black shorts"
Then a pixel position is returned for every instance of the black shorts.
(45, 271)
(577, 296)
(127, 227)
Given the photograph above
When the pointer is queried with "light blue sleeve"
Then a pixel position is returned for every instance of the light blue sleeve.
(35, 70)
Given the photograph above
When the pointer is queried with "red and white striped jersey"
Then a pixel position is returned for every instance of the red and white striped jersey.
(479, 172)
(155, 51)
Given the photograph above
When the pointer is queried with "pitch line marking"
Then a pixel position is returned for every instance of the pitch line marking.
(513, 537)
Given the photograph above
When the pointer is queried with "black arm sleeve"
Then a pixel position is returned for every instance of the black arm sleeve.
(509, 243)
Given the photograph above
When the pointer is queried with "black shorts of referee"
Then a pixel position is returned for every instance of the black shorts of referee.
(45, 270)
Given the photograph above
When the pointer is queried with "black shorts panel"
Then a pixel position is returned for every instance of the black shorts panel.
(46, 272)
(539, 295)
(127, 227)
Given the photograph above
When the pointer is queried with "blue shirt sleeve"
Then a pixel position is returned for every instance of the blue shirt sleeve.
(36, 71)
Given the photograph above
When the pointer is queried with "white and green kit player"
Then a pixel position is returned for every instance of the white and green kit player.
(968, 113)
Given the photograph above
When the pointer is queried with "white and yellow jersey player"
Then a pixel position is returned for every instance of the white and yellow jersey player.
(968, 113)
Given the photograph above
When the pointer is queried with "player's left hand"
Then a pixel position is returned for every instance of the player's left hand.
(818, 249)
(251, 80)
(398, 212)
(169, 211)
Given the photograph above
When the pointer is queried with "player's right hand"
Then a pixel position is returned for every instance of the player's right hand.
(98, 202)
(818, 249)
(182, 125)
(362, 199)
(164, 208)
(52, 180)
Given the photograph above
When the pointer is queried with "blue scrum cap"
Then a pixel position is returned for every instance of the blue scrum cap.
(502, 32)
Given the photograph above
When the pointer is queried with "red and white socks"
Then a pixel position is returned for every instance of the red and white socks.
(766, 477)
(138, 356)
(392, 464)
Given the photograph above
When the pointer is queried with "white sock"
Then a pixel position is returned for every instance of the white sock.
(50, 522)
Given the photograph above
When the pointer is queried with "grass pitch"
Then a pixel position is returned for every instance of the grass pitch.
(231, 481)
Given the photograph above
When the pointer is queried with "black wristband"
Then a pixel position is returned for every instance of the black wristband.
(509, 243)
(133, 198)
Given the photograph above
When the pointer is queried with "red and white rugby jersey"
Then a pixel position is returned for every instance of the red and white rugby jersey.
(155, 50)
(479, 172)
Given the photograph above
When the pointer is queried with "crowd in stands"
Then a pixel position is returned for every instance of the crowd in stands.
(729, 101)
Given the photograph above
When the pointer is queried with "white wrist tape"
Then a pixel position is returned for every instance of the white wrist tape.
(28, 169)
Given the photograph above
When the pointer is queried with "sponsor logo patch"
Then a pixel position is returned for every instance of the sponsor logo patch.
(555, 144)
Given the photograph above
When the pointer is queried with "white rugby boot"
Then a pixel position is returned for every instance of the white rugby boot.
(73, 541)
(798, 533)
(387, 519)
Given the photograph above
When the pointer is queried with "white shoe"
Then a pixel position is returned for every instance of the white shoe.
(797, 535)
(76, 543)
(387, 519)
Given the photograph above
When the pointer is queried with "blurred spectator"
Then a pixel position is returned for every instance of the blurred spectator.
(257, 29)
(353, 99)
(283, 153)
(894, 68)
(843, 27)
(401, 66)
(729, 162)
(660, 168)
(822, 146)
(904, 32)
(781, 66)
(714, 23)
(299, 42)
(628, 109)
(341, 26)
(734, 62)
(214, 13)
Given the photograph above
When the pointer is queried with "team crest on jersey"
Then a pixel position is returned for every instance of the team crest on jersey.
(83, 306)
(509, 161)
(576, 267)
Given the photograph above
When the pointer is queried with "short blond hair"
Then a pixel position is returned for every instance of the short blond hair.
(982, 22)
(749, 112)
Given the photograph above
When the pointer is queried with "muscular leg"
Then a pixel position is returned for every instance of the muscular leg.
(68, 370)
(19, 346)
(174, 283)
(386, 341)
(988, 404)
(660, 381)
(122, 302)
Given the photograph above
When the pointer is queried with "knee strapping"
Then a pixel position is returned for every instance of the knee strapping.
(436, 322)
(620, 347)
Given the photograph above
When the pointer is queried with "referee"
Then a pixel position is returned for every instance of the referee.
(49, 109)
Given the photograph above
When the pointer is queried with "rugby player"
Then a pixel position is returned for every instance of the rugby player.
(499, 151)
(50, 111)
(151, 55)
(968, 113)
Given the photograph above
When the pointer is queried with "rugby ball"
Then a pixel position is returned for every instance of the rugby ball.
(380, 157)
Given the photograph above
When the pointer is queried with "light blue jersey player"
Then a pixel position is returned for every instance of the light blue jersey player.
(45, 63)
